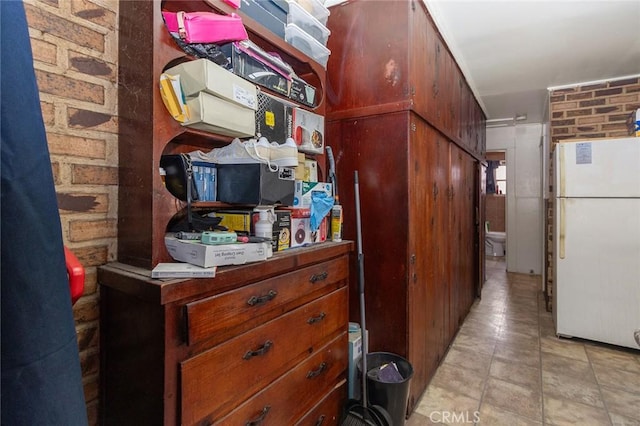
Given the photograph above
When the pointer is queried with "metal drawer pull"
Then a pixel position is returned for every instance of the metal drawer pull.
(261, 351)
(319, 318)
(260, 418)
(318, 277)
(320, 420)
(315, 373)
(259, 300)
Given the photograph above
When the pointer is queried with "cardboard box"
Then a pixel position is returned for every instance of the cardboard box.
(213, 114)
(203, 75)
(310, 170)
(282, 230)
(281, 227)
(269, 15)
(303, 92)
(207, 256)
(355, 354)
(282, 81)
(308, 131)
(204, 176)
(301, 233)
(255, 184)
(253, 70)
(235, 220)
(304, 190)
(273, 118)
(300, 171)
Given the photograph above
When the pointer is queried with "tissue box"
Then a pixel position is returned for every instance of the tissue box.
(303, 191)
(206, 255)
(308, 131)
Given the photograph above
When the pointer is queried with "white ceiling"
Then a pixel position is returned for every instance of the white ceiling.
(512, 51)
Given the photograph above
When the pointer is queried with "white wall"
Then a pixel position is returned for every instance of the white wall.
(524, 197)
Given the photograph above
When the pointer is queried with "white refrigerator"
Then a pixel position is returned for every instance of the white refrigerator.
(596, 285)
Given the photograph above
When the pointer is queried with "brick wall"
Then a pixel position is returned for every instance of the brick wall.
(593, 110)
(584, 112)
(75, 50)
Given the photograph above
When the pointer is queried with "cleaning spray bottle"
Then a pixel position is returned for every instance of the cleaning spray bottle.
(336, 210)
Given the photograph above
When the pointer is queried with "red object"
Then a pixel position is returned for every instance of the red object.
(75, 270)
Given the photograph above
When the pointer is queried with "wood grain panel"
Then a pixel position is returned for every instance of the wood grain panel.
(313, 379)
(242, 366)
(222, 316)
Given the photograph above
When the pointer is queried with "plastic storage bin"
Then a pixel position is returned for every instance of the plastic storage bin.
(315, 8)
(307, 23)
(306, 44)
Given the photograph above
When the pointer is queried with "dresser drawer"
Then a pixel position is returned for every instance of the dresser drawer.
(287, 399)
(215, 381)
(328, 411)
(220, 317)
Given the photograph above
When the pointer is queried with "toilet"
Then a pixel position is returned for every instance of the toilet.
(494, 242)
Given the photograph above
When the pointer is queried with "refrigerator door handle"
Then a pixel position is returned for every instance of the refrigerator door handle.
(562, 230)
(562, 183)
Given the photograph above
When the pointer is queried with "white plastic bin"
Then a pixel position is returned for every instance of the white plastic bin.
(315, 8)
(307, 23)
(306, 44)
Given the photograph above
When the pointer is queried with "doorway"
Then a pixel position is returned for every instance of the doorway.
(496, 205)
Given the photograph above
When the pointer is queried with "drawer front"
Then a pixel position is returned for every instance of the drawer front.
(329, 410)
(292, 395)
(215, 381)
(220, 317)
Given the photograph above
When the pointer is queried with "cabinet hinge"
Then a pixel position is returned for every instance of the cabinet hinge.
(413, 127)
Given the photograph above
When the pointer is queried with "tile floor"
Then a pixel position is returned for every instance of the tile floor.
(507, 367)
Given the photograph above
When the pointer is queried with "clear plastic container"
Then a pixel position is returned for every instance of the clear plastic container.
(307, 23)
(314, 7)
(306, 44)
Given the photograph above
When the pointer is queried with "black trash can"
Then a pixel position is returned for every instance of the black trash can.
(392, 397)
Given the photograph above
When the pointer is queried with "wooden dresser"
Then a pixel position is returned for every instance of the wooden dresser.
(264, 342)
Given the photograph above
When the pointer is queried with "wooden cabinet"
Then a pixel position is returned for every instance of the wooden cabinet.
(147, 130)
(266, 340)
(401, 113)
(263, 342)
(389, 56)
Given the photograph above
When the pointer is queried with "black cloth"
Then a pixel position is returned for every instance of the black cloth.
(41, 376)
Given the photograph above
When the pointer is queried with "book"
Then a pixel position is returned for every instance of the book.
(182, 270)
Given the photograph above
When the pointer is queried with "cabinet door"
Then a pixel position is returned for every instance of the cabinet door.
(425, 308)
(368, 66)
(455, 236)
(376, 147)
(422, 62)
(441, 241)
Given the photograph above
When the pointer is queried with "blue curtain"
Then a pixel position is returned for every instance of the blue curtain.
(41, 377)
(491, 176)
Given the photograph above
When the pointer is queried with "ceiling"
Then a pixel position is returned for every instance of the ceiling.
(512, 51)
